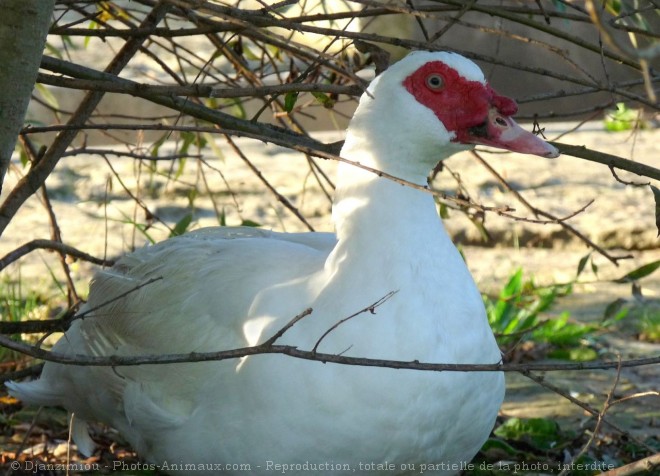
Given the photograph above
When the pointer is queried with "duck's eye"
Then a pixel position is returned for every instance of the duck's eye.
(435, 82)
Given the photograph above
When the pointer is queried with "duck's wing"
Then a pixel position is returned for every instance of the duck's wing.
(192, 293)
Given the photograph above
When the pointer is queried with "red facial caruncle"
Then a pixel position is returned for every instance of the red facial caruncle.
(459, 103)
(472, 110)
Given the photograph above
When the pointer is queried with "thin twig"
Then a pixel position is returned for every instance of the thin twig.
(195, 90)
(370, 308)
(30, 246)
(645, 465)
(288, 326)
(126, 153)
(599, 421)
(280, 198)
(39, 326)
(625, 182)
(23, 443)
(136, 199)
(101, 305)
(610, 160)
(588, 408)
(650, 393)
(122, 360)
(37, 174)
(551, 219)
(56, 236)
(31, 371)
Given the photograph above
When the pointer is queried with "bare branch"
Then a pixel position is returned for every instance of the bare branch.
(121, 361)
(288, 326)
(193, 90)
(280, 198)
(643, 466)
(50, 245)
(29, 184)
(371, 309)
(31, 371)
(585, 406)
(610, 160)
(599, 421)
(101, 305)
(227, 122)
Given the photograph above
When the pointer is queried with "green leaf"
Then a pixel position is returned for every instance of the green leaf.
(623, 119)
(594, 268)
(615, 311)
(222, 218)
(504, 310)
(215, 148)
(249, 54)
(613, 6)
(639, 273)
(517, 312)
(325, 100)
(480, 226)
(577, 354)
(656, 196)
(444, 211)
(494, 445)
(48, 96)
(559, 331)
(238, 110)
(155, 147)
(141, 227)
(180, 169)
(290, 100)
(192, 195)
(583, 263)
(54, 50)
(251, 223)
(188, 138)
(212, 103)
(540, 433)
(182, 225)
(92, 26)
(23, 157)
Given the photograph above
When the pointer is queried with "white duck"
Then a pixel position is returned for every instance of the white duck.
(224, 288)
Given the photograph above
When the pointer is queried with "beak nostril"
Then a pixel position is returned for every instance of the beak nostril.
(500, 121)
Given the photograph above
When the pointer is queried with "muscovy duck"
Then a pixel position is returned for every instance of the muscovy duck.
(224, 288)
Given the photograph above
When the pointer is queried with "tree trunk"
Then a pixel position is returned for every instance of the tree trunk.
(23, 29)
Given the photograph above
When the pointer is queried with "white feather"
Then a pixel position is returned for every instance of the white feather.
(224, 288)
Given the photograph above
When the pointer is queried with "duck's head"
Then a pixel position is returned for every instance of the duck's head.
(441, 101)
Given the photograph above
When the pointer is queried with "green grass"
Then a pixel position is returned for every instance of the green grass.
(19, 304)
(533, 446)
(516, 316)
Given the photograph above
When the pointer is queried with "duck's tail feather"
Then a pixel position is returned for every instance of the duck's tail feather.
(40, 394)
(35, 392)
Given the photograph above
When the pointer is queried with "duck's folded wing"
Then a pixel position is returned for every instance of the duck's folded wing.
(188, 294)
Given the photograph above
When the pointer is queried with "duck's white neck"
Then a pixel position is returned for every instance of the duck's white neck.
(365, 202)
(375, 215)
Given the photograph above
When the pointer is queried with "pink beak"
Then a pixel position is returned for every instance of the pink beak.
(504, 133)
